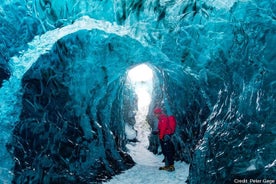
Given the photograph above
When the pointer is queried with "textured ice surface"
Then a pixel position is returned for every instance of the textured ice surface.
(65, 102)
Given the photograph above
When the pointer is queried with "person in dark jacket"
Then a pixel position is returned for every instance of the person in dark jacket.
(164, 134)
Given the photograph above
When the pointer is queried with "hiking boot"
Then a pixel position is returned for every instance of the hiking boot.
(163, 168)
(171, 168)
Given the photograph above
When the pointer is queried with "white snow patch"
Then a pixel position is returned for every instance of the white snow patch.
(147, 172)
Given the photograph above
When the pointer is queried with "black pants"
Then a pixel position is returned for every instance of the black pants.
(168, 151)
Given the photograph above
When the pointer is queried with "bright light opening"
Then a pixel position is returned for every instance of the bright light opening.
(141, 79)
(140, 73)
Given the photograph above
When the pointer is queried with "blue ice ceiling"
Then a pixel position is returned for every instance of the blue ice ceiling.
(65, 102)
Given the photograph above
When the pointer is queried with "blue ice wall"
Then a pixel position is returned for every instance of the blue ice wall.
(214, 60)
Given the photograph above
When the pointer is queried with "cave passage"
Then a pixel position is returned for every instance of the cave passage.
(74, 111)
(141, 80)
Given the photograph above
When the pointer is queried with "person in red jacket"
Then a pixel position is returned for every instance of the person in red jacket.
(165, 139)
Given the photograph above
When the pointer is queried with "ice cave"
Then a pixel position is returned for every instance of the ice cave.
(79, 81)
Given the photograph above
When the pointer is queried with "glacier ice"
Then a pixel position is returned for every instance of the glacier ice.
(68, 113)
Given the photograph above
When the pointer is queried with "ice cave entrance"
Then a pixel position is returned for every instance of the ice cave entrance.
(141, 79)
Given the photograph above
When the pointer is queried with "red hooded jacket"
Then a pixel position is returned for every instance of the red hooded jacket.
(163, 126)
